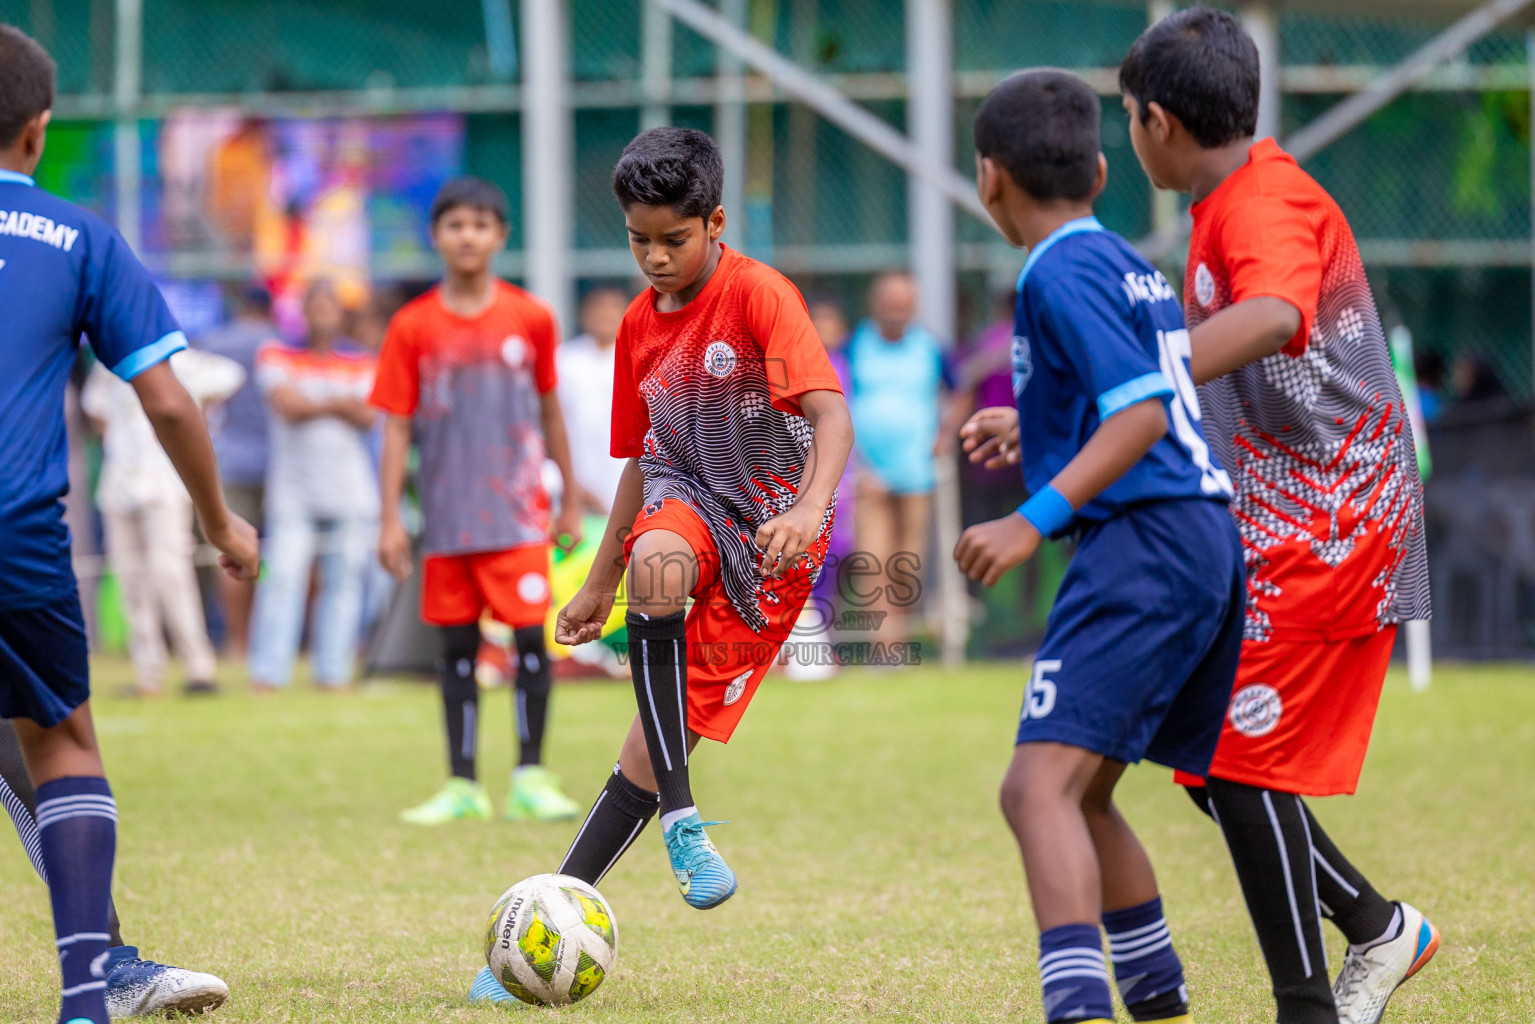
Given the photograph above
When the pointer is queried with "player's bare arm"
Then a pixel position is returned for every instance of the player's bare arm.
(784, 538)
(393, 540)
(567, 524)
(987, 550)
(1244, 333)
(183, 433)
(581, 620)
(990, 437)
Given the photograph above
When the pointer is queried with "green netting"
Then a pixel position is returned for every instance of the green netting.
(1005, 34)
(1483, 312)
(1451, 165)
(604, 39)
(493, 150)
(1322, 39)
(79, 33)
(600, 137)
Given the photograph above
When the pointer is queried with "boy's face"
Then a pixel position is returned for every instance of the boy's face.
(1150, 138)
(468, 238)
(671, 250)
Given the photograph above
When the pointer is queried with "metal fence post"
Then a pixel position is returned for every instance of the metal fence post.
(1262, 23)
(930, 116)
(730, 128)
(127, 147)
(547, 156)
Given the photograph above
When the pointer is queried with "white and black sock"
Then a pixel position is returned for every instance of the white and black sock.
(615, 821)
(460, 696)
(534, 685)
(659, 664)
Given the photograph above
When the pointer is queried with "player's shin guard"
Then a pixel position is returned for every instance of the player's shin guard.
(1347, 897)
(658, 661)
(77, 821)
(614, 823)
(533, 687)
(1267, 835)
(1072, 974)
(460, 696)
(1147, 969)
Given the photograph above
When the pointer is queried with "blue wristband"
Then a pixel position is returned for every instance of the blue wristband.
(1048, 511)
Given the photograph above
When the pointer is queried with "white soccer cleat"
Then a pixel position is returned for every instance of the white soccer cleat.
(139, 988)
(1371, 974)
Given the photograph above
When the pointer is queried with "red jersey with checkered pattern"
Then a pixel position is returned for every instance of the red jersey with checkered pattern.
(706, 399)
(1316, 439)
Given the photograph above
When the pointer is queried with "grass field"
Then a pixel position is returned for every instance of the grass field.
(878, 883)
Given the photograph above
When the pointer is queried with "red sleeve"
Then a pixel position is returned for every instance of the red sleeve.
(397, 380)
(546, 340)
(631, 417)
(796, 359)
(1270, 247)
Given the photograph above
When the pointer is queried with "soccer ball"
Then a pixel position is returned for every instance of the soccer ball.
(551, 939)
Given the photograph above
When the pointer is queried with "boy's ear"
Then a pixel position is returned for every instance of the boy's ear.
(1160, 123)
(34, 135)
(716, 224)
(1103, 177)
(988, 180)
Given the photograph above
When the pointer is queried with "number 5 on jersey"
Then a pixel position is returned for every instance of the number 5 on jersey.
(1039, 698)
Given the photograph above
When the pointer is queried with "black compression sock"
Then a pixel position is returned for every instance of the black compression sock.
(533, 687)
(1348, 898)
(658, 661)
(460, 696)
(613, 824)
(1266, 834)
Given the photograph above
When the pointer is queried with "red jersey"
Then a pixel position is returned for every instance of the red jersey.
(1328, 499)
(472, 388)
(705, 398)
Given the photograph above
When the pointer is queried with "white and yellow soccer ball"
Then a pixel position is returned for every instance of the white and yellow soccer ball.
(551, 940)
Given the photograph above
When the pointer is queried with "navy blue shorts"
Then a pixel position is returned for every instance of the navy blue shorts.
(44, 667)
(1141, 647)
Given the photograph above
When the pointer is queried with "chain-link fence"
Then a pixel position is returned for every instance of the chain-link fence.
(252, 116)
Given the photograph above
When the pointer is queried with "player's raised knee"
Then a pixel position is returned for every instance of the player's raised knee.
(663, 570)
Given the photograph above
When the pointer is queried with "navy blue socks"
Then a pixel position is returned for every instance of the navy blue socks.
(1073, 974)
(1149, 972)
(77, 820)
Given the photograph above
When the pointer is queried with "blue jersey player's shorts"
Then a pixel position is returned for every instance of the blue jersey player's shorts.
(44, 668)
(1142, 644)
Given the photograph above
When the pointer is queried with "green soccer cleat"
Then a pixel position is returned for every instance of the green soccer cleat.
(458, 800)
(703, 877)
(536, 796)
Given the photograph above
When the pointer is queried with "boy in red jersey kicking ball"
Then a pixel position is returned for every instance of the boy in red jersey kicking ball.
(736, 432)
(1303, 408)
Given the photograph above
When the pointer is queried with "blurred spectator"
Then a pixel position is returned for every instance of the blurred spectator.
(1472, 379)
(986, 379)
(239, 428)
(585, 366)
(1428, 367)
(322, 497)
(147, 520)
(897, 371)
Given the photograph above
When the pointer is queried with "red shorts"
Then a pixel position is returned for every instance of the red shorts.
(513, 584)
(1301, 714)
(726, 658)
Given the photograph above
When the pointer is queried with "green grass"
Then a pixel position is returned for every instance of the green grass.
(878, 882)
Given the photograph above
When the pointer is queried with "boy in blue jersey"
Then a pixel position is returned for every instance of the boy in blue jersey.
(64, 273)
(1143, 640)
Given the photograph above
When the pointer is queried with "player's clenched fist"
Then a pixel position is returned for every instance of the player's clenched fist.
(783, 539)
(987, 550)
(239, 549)
(582, 619)
(990, 436)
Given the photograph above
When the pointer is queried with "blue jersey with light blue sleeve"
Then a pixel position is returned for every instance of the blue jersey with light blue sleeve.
(1096, 330)
(64, 272)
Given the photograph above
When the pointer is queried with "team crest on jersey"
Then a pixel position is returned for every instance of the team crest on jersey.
(1204, 285)
(514, 351)
(1255, 710)
(737, 687)
(719, 358)
(1023, 364)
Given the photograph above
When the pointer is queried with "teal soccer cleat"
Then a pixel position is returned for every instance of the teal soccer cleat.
(486, 989)
(703, 877)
